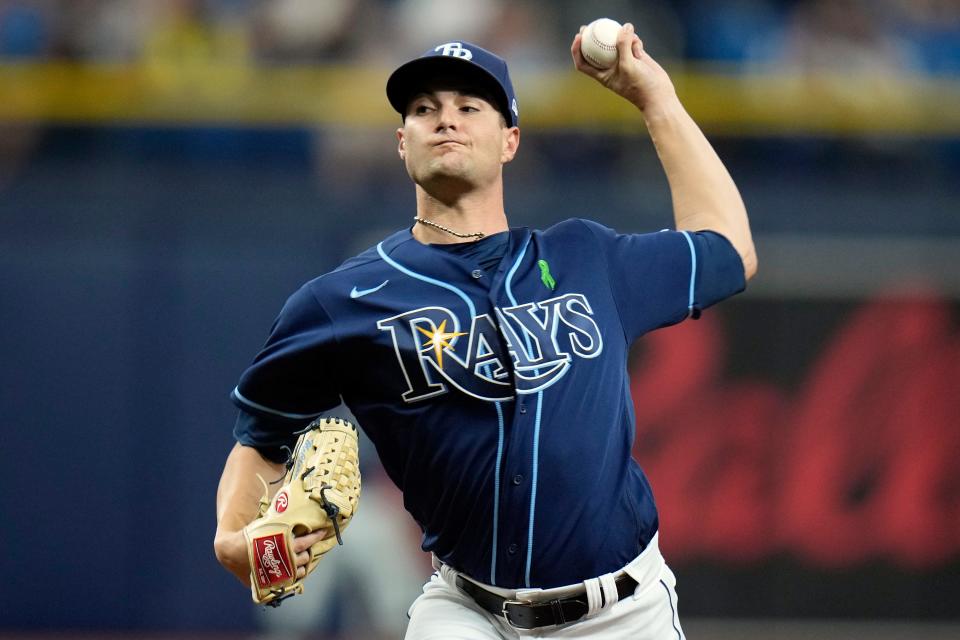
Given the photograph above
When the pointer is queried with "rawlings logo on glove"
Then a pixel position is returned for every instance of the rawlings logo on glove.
(321, 490)
(269, 569)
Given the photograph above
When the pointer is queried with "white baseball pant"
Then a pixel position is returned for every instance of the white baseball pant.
(443, 612)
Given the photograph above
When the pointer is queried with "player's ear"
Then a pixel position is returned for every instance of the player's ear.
(511, 142)
(401, 144)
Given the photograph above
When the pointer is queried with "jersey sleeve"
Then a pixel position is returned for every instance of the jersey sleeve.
(661, 278)
(292, 380)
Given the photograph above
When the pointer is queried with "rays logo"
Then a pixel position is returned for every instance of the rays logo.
(541, 339)
(454, 49)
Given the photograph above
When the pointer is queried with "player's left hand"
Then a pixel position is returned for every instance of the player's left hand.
(231, 550)
(635, 76)
(301, 547)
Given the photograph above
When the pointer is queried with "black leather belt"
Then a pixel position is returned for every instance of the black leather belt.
(531, 615)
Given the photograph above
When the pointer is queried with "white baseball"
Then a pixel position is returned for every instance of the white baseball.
(599, 43)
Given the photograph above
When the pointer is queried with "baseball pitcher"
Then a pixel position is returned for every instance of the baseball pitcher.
(488, 365)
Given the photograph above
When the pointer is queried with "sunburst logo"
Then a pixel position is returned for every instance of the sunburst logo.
(439, 340)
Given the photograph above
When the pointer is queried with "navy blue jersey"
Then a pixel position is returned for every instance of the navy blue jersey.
(498, 400)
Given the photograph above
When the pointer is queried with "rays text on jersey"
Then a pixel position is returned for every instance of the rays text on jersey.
(520, 350)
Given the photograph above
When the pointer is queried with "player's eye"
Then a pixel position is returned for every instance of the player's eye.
(421, 109)
(469, 108)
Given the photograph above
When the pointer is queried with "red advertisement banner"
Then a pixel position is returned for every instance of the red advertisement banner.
(849, 459)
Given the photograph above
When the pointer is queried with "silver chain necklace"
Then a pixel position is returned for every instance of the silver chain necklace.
(477, 235)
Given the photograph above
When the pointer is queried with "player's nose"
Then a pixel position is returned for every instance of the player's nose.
(447, 117)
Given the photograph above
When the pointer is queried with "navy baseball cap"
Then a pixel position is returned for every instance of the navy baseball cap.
(461, 60)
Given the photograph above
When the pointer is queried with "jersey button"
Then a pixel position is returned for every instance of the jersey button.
(517, 479)
(476, 273)
(523, 409)
(512, 549)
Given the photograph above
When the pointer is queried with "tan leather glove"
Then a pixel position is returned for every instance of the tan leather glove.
(320, 490)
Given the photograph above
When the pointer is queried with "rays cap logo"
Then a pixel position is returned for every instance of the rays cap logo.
(460, 61)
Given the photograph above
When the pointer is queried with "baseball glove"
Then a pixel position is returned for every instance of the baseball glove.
(320, 490)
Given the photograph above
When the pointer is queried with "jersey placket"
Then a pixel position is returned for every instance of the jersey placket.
(507, 443)
(517, 479)
(504, 412)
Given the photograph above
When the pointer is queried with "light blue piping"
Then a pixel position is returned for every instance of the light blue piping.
(513, 270)
(693, 269)
(496, 490)
(260, 407)
(673, 611)
(533, 489)
(536, 425)
(413, 274)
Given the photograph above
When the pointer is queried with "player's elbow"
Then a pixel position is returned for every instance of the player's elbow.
(749, 257)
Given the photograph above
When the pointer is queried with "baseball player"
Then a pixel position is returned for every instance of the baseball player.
(487, 364)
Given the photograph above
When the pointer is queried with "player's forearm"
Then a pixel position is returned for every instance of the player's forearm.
(238, 503)
(239, 492)
(704, 195)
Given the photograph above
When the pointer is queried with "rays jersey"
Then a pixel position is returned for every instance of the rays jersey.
(498, 400)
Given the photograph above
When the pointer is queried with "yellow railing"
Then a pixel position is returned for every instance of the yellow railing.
(769, 103)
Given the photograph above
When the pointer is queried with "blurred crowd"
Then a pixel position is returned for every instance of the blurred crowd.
(914, 36)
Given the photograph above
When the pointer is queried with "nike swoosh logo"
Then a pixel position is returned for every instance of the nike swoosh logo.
(359, 293)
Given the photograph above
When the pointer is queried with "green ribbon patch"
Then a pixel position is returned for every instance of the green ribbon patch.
(548, 280)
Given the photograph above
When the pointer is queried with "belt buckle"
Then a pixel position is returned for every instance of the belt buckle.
(506, 617)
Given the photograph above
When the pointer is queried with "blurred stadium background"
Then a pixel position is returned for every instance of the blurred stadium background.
(170, 170)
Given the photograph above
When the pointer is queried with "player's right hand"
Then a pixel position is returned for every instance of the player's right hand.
(636, 76)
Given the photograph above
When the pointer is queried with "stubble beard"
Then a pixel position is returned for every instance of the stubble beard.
(446, 178)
